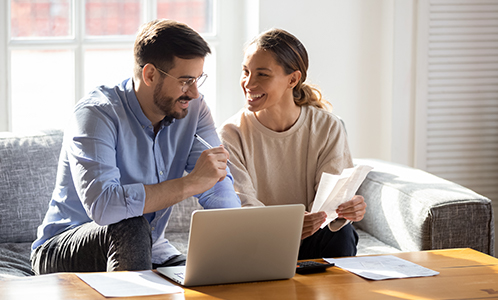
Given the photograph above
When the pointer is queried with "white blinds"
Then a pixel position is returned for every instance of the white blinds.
(460, 109)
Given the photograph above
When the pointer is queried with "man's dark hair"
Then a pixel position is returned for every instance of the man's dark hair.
(160, 41)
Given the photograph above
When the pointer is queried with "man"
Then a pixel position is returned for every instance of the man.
(123, 159)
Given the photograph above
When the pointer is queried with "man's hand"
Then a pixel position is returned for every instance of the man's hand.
(210, 168)
(353, 210)
(312, 222)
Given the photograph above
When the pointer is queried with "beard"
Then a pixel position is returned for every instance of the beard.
(167, 104)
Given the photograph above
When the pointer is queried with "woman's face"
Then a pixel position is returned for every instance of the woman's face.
(264, 81)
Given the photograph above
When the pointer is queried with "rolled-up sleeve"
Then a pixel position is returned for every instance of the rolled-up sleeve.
(92, 158)
(221, 195)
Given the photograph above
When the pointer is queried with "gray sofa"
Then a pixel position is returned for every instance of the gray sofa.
(408, 209)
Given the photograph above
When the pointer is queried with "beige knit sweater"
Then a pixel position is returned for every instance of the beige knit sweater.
(271, 168)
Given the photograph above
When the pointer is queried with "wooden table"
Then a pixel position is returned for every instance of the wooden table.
(464, 274)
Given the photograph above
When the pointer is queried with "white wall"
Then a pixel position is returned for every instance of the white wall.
(350, 46)
(4, 107)
(231, 27)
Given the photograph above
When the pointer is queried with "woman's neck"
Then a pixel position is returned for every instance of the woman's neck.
(279, 119)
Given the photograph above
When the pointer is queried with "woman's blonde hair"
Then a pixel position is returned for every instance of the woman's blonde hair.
(291, 54)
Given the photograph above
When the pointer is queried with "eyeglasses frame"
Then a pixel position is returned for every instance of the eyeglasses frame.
(186, 83)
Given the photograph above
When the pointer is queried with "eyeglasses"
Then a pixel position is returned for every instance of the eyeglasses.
(187, 83)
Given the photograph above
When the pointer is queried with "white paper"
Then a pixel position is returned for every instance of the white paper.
(381, 267)
(129, 284)
(333, 190)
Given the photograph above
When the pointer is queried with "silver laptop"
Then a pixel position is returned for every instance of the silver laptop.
(241, 245)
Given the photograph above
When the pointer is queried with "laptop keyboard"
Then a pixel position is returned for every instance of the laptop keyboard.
(180, 275)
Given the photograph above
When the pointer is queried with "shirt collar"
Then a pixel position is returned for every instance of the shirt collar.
(135, 105)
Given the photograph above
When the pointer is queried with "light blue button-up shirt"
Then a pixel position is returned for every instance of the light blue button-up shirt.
(110, 152)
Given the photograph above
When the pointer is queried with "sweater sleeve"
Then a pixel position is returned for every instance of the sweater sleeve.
(233, 141)
(334, 158)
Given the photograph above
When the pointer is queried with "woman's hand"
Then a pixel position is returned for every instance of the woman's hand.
(353, 210)
(312, 222)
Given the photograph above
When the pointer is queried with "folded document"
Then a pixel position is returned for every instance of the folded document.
(334, 190)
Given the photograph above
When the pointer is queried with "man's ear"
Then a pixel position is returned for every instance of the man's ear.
(149, 74)
(294, 78)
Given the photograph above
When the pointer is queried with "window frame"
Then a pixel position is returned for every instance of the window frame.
(78, 43)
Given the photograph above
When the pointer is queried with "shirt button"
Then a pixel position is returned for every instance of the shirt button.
(160, 172)
(153, 228)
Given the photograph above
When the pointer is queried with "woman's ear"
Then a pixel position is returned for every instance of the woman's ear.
(149, 74)
(294, 78)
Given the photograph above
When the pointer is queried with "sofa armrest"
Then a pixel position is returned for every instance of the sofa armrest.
(413, 210)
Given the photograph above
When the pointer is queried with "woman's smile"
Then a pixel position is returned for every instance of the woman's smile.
(254, 97)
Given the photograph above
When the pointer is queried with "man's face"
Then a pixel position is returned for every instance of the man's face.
(168, 96)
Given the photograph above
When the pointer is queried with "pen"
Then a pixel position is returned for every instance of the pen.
(207, 145)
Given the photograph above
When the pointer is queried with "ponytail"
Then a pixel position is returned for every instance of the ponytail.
(306, 94)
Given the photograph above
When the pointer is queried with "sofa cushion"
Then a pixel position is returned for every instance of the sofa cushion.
(369, 245)
(178, 228)
(29, 165)
(14, 260)
(179, 221)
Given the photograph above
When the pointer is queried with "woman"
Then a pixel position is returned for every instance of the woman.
(283, 141)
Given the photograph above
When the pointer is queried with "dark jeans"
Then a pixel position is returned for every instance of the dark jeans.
(327, 244)
(124, 246)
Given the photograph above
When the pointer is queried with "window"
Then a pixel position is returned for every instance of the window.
(58, 50)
